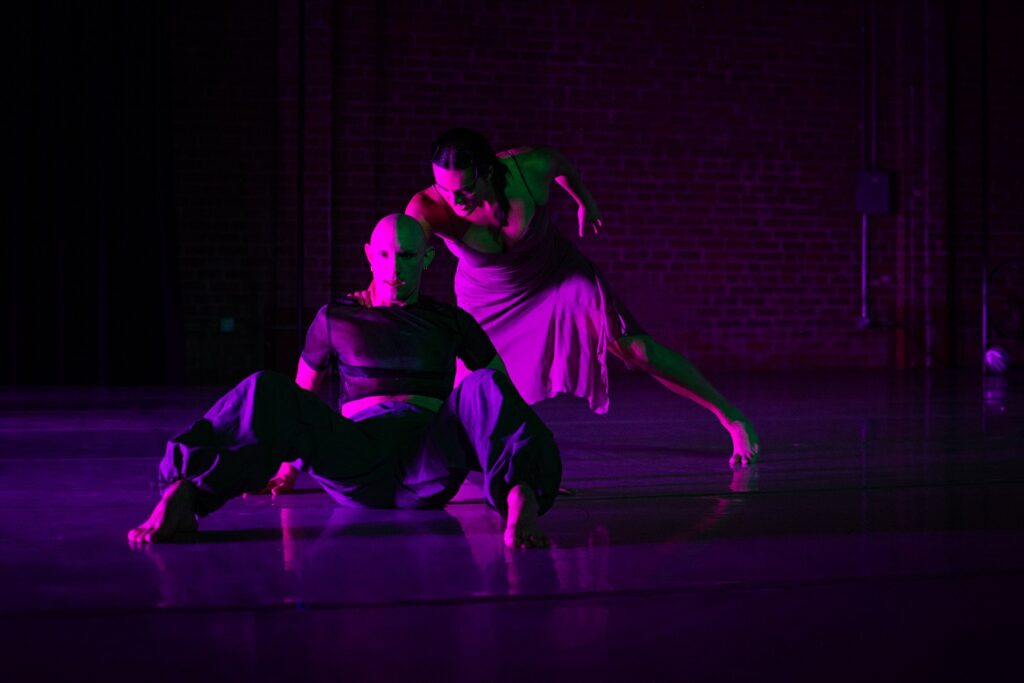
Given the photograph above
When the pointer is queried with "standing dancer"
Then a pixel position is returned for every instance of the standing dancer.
(546, 307)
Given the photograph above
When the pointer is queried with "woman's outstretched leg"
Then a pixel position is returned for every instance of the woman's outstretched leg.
(682, 377)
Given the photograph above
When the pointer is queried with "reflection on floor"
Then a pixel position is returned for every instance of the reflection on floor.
(880, 537)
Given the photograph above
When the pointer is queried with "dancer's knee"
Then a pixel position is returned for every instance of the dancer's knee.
(268, 377)
(480, 380)
(265, 382)
(253, 381)
(638, 350)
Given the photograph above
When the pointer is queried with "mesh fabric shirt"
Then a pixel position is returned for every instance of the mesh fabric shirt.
(391, 350)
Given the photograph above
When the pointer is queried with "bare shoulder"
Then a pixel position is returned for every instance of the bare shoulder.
(536, 162)
(422, 202)
(515, 152)
(427, 209)
(529, 157)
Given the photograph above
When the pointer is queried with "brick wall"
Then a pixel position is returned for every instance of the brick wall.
(226, 163)
(721, 141)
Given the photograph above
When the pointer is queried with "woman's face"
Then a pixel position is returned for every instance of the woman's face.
(462, 189)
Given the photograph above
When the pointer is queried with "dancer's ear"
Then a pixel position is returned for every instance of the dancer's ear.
(366, 251)
(428, 257)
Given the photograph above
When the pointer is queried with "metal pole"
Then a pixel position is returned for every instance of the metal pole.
(300, 179)
(983, 7)
(869, 143)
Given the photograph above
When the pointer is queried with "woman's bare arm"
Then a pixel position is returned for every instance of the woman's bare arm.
(430, 215)
(555, 166)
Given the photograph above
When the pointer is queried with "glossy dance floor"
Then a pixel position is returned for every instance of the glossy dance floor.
(882, 538)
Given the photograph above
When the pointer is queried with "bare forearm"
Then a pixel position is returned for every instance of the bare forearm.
(568, 178)
(306, 377)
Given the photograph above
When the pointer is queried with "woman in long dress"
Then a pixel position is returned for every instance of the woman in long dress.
(547, 309)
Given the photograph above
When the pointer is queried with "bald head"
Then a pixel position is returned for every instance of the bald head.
(398, 225)
(398, 254)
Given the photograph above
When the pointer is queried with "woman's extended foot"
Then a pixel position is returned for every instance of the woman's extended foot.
(521, 530)
(175, 513)
(746, 447)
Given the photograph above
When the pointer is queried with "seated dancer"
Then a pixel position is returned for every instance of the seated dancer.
(405, 438)
(546, 307)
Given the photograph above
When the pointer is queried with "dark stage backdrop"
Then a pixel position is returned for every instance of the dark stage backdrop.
(90, 287)
(200, 179)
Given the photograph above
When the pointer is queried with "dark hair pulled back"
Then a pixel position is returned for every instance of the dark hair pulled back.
(464, 148)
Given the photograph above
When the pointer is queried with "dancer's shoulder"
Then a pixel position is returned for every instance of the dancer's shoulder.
(426, 207)
(533, 162)
(516, 152)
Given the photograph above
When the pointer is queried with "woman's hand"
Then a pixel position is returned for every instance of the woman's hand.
(589, 217)
(364, 297)
(282, 482)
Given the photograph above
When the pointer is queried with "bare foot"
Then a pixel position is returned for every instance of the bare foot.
(175, 513)
(521, 530)
(282, 482)
(745, 445)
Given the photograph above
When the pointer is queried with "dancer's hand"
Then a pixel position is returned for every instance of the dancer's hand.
(364, 297)
(282, 482)
(589, 217)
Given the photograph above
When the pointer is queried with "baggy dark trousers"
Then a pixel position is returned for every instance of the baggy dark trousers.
(392, 455)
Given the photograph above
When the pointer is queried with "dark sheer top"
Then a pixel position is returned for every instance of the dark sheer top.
(389, 350)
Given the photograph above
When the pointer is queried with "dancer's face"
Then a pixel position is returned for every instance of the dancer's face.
(398, 255)
(462, 189)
